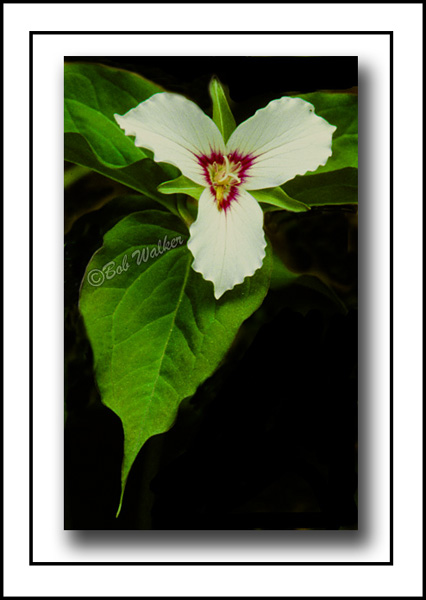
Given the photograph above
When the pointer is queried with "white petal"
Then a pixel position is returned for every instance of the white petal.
(284, 139)
(227, 245)
(176, 130)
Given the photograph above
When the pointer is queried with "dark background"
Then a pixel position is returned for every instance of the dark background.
(270, 440)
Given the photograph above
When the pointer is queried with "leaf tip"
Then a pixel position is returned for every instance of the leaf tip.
(160, 188)
(214, 81)
(120, 504)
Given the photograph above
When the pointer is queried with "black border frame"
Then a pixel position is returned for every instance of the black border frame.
(31, 316)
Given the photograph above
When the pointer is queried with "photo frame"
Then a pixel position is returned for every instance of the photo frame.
(98, 547)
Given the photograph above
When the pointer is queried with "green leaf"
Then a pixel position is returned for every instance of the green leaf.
(107, 142)
(156, 330)
(277, 197)
(222, 114)
(144, 176)
(92, 95)
(182, 185)
(282, 279)
(281, 276)
(74, 174)
(337, 187)
(340, 110)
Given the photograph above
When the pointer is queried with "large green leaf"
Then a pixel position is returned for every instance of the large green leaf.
(336, 187)
(92, 95)
(340, 110)
(156, 330)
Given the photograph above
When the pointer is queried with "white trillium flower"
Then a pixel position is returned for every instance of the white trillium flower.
(280, 141)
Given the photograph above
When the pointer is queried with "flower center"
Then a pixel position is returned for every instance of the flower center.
(223, 177)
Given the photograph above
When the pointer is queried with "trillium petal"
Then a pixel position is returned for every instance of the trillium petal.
(227, 245)
(284, 139)
(176, 130)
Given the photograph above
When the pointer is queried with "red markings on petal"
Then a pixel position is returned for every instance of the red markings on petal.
(238, 167)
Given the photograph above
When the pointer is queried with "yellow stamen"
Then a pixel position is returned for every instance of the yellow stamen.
(223, 177)
(219, 195)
